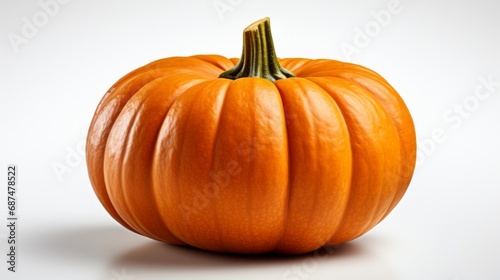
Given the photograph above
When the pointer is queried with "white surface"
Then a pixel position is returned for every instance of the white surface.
(446, 227)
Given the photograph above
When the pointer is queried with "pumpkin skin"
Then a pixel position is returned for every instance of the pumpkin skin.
(250, 165)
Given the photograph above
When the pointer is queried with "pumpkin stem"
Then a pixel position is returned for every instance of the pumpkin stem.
(258, 58)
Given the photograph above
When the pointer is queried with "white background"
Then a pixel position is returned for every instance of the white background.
(435, 53)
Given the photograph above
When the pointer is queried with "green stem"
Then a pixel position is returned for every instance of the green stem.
(258, 58)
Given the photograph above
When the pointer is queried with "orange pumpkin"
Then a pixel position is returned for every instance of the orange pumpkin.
(244, 156)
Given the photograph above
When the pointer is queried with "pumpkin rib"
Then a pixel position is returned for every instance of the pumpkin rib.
(408, 154)
(159, 184)
(251, 140)
(311, 173)
(177, 163)
(222, 246)
(170, 237)
(101, 124)
(134, 90)
(289, 174)
(376, 207)
(379, 208)
(113, 100)
(340, 90)
(217, 206)
(119, 200)
(123, 208)
(149, 102)
(395, 107)
(175, 190)
(289, 117)
(180, 159)
(348, 189)
(216, 216)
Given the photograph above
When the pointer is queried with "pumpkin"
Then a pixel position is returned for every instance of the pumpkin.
(251, 155)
